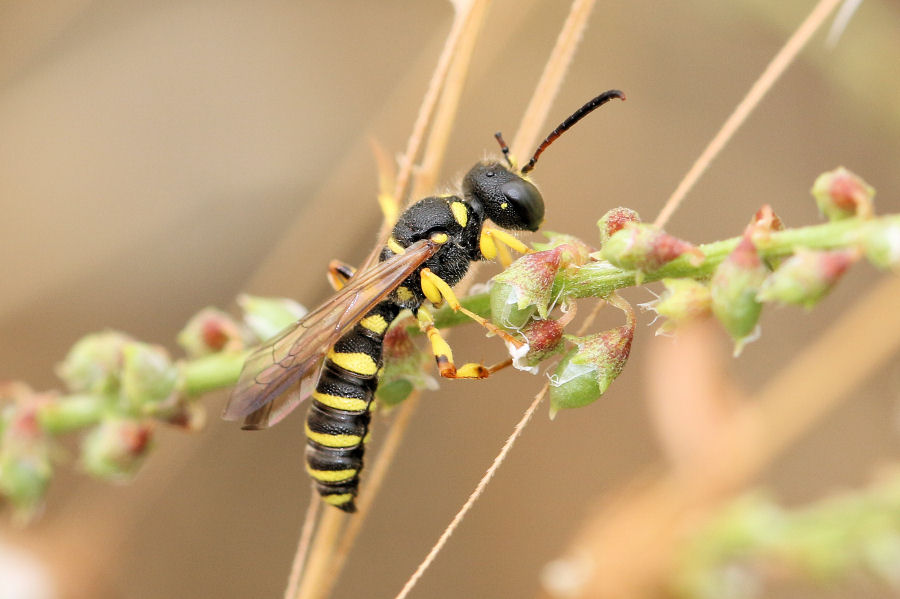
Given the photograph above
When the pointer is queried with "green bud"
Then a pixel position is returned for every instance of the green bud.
(267, 317)
(116, 448)
(210, 331)
(525, 287)
(881, 245)
(403, 370)
(586, 372)
(645, 248)
(734, 287)
(25, 467)
(574, 251)
(614, 221)
(148, 378)
(842, 194)
(805, 278)
(683, 300)
(94, 362)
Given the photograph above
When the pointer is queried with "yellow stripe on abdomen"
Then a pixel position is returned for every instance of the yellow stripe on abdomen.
(331, 476)
(338, 499)
(355, 362)
(349, 404)
(336, 441)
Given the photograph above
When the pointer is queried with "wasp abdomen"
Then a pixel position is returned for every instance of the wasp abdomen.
(338, 420)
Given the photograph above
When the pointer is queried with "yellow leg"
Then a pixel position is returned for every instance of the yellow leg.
(493, 243)
(436, 288)
(443, 355)
(339, 273)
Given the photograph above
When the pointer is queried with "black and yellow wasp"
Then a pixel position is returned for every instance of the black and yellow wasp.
(334, 354)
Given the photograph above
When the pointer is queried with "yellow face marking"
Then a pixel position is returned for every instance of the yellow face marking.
(339, 441)
(395, 246)
(440, 238)
(331, 476)
(349, 404)
(356, 362)
(504, 205)
(375, 323)
(404, 294)
(460, 213)
(337, 499)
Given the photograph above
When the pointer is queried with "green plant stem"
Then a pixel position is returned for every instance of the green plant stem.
(71, 413)
(599, 279)
(212, 372)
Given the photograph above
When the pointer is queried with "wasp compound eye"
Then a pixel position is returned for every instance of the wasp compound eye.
(525, 199)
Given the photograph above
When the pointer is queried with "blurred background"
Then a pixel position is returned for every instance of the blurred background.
(156, 158)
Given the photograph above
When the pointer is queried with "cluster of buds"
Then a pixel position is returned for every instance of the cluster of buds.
(25, 450)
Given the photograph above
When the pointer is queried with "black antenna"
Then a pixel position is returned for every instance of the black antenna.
(503, 147)
(574, 118)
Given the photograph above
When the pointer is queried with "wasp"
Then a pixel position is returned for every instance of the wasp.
(334, 353)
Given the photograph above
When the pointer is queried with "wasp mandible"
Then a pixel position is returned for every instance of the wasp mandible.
(334, 353)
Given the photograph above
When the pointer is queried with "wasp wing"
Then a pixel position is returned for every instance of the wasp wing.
(282, 373)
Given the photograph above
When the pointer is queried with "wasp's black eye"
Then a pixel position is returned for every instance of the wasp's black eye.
(507, 198)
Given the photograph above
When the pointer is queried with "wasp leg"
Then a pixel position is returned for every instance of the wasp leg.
(437, 290)
(443, 355)
(493, 243)
(339, 273)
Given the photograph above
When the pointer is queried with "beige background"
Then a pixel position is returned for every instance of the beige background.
(156, 158)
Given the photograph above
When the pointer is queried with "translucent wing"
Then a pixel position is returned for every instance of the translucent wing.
(283, 372)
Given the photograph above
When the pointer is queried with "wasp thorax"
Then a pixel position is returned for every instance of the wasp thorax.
(507, 198)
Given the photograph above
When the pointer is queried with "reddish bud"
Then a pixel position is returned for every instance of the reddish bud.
(843, 194)
(586, 372)
(806, 277)
(574, 251)
(733, 289)
(210, 331)
(614, 221)
(115, 449)
(525, 287)
(646, 248)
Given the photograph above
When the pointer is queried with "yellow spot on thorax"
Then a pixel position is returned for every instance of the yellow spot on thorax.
(404, 294)
(440, 238)
(460, 213)
(395, 246)
(356, 362)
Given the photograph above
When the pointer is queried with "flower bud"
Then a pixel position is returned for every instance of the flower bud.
(25, 467)
(733, 288)
(543, 338)
(403, 371)
(148, 378)
(683, 300)
(614, 221)
(574, 250)
(645, 248)
(267, 317)
(586, 372)
(842, 194)
(210, 331)
(881, 245)
(805, 278)
(116, 448)
(525, 287)
(93, 363)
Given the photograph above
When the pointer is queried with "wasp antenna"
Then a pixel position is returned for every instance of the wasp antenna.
(571, 120)
(503, 148)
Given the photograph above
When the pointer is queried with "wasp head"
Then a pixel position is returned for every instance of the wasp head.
(508, 199)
